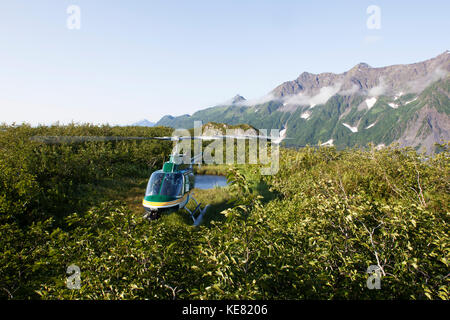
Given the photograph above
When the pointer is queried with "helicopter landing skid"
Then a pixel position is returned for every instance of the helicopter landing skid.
(197, 220)
(152, 215)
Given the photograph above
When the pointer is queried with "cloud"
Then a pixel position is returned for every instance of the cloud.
(419, 85)
(354, 89)
(261, 100)
(378, 90)
(322, 97)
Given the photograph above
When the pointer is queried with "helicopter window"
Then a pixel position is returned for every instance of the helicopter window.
(154, 185)
(166, 184)
(172, 185)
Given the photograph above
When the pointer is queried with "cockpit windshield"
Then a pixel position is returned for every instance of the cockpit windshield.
(165, 184)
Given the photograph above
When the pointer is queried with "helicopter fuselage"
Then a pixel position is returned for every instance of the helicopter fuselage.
(169, 188)
(158, 204)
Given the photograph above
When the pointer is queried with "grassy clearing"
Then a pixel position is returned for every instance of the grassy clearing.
(130, 191)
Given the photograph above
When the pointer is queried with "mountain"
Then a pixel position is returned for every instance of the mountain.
(143, 123)
(407, 104)
(237, 99)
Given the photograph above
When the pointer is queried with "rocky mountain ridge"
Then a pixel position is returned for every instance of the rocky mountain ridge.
(407, 104)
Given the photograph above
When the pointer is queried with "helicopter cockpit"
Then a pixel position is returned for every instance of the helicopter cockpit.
(165, 184)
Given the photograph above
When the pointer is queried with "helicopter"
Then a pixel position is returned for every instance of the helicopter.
(171, 187)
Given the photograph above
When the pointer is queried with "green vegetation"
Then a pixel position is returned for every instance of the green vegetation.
(308, 232)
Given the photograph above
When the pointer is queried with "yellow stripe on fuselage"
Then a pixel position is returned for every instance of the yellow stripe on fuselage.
(146, 203)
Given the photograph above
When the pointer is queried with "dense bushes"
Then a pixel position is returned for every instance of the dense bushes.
(331, 215)
(40, 184)
(48, 180)
(355, 208)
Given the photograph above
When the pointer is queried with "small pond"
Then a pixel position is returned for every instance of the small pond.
(207, 181)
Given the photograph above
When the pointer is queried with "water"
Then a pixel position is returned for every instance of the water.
(207, 181)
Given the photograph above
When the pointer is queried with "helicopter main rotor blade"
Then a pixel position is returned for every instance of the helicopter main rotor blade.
(79, 139)
(75, 139)
(276, 140)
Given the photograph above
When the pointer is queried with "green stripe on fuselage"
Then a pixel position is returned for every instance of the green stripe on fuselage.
(160, 198)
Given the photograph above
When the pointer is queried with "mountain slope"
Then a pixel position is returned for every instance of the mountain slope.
(407, 104)
(143, 123)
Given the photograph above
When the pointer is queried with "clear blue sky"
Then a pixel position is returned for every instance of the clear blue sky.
(140, 59)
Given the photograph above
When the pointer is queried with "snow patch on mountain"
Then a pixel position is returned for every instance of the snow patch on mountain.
(398, 95)
(328, 143)
(393, 105)
(371, 102)
(352, 129)
(305, 115)
(408, 102)
(282, 135)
